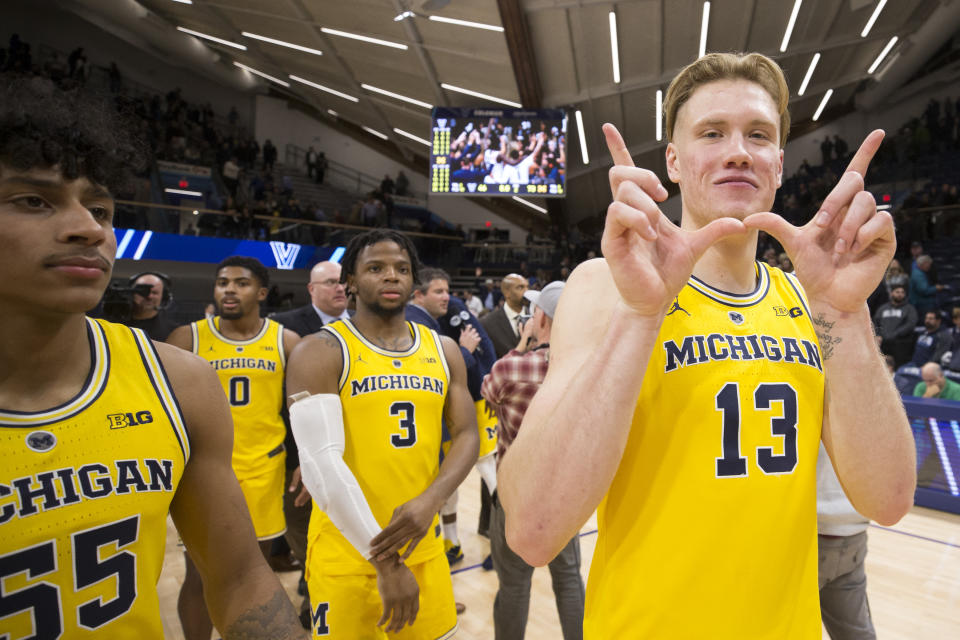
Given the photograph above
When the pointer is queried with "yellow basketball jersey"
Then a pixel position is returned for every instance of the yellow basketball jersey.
(251, 372)
(392, 408)
(709, 527)
(487, 424)
(84, 492)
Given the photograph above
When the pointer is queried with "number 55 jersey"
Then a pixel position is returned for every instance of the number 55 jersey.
(709, 529)
(85, 488)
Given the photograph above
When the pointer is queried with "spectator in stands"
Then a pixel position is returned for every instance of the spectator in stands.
(840, 147)
(785, 263)
(935, 384)
(474, 305)
(402, 184)
(231, 173)
(923, 293)
(321, 167)
(895, 276)
(952, 360)
(370, 212)
(311, 159)
(269, 155)
(826, 150)
(933, 343)
(895, 322)
(387, 187)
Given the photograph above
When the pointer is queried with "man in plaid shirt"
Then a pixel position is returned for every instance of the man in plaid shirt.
(509, 387)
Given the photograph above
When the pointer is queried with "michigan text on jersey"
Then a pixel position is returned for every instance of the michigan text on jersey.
(40, 492)
(244, 363)
(698, 349)
(369, 384)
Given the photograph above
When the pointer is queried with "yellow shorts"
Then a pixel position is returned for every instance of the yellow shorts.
(487, 423)
(348, 607)
(264, 496)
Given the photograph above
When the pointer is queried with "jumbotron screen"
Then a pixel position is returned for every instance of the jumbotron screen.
(498, 152)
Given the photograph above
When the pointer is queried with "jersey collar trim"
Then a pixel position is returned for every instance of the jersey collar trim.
(94, 385)
(386, 352)
(213, 323)
(732, 299)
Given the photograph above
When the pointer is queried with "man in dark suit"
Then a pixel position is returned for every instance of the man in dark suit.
(503, 324)
(328, 302)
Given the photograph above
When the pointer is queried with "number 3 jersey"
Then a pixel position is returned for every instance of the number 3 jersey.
(85, 488)
(252, 374)
(709, 529)
(392, 410)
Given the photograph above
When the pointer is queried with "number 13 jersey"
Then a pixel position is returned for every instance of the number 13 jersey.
(709, 529)
(392, 410)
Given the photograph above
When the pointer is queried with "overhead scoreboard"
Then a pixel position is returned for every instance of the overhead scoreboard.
(498, 152)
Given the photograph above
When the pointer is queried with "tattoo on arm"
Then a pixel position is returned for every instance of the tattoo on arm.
(328, 340)
(273, 619)
(827, 340)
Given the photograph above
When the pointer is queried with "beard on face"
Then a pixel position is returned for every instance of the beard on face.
(384, 312)
(231, 315)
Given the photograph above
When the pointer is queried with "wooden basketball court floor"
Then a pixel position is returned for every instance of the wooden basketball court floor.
(913, 578)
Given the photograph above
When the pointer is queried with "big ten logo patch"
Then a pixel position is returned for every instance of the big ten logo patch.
(132, 419)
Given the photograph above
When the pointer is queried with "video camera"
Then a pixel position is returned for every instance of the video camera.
(117, 302)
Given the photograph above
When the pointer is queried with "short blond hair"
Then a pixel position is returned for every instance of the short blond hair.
(753, 67)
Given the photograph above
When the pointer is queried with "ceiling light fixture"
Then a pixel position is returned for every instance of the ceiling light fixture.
(184, 192)
(206, 37)
(261, 74)
(704, 23)
(659, 115)
(354, 36)
(467, 23)
(289, 45)
(477, 94)
(883, 54)
(531, 205)
(614, 47)
(375, 132)
(323, 88)
(419, 103)
(583, 138)
(823, 104)
(404, 14)
(333, 113)
(873, 18)
(184, 2)
(412, 137)
(790, 23)
(806, 78)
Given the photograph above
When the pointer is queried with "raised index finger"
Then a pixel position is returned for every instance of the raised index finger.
(861, 160)
(618, 148)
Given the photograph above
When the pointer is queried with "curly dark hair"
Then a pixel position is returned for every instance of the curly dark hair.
(255, 266)
(83, 135)
(367, 238)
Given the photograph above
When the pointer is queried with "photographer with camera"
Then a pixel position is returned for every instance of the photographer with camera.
(151, 296)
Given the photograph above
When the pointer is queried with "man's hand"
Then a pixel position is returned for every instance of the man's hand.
(842, 253)
(932, 391)
(399, 593)
(295, 481)
(527, 341)
(650, 258)
(469, 338)
(410, 523)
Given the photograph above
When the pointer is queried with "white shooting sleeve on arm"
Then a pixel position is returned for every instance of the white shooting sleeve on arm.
(317, 423)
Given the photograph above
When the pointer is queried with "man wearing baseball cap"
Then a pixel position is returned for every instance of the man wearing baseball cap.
(509, 387)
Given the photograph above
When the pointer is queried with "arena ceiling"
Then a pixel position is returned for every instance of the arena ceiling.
(552, 53)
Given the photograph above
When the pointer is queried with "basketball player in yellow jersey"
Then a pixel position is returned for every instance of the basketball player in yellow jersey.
(687, 399)
(102, 432)
(248, 353)
(368, 396)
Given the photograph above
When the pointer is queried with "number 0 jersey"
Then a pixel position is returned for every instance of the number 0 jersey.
(709, 527)
(252, 374)
(85, 488)
(392, 409)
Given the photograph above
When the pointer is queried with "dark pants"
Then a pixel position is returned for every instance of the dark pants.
(512, 604)
(843, 587)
